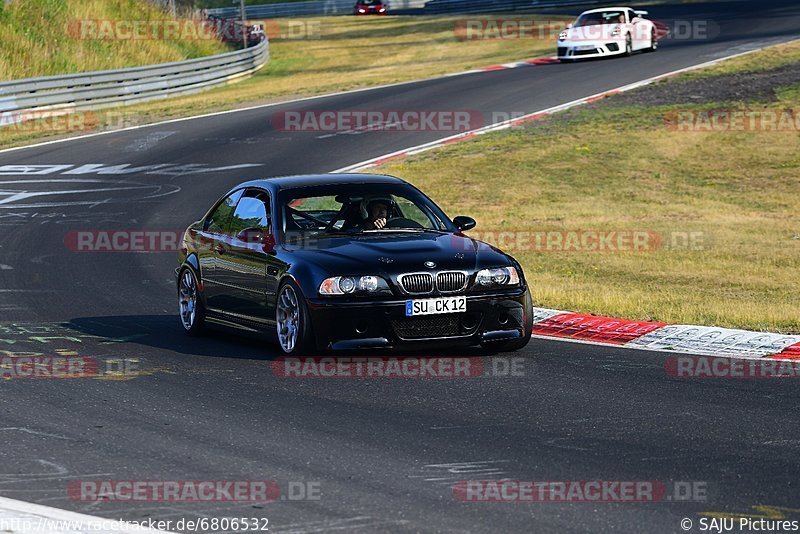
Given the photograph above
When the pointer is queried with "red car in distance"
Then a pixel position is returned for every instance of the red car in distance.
(370, 7)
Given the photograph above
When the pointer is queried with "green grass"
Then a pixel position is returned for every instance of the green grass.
(36, 40)
(621, 168)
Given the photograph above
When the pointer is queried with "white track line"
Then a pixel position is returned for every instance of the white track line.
(23, 517)
(667, 351)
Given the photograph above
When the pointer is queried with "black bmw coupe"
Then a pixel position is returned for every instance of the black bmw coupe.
(346, 262)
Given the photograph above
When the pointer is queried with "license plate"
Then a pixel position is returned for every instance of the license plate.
(434, 306)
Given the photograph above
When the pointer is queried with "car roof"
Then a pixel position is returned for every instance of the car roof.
(280, 183)
(605, 9)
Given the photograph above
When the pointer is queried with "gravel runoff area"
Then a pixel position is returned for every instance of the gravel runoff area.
(757, 86)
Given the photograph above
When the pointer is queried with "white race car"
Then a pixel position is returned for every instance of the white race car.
(606, 32)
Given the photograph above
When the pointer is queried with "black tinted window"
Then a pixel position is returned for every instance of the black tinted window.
(358, 207)
(218, 221)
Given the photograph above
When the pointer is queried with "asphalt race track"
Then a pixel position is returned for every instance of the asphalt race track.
(384, 453)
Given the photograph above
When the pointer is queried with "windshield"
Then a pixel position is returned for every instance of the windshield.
(359, 209)
(600, 17)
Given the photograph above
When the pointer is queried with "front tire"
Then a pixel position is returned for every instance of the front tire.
(190, 303)
(293, 322)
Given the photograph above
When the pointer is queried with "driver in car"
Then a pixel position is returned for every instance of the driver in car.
(375, 213)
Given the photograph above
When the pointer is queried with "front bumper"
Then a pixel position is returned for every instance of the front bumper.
(369, 12)
(584, 50)
(353, 325)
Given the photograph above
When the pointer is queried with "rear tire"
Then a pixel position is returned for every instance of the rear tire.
(653, 42)
(190, 303)
(628, 46)
(294, 330)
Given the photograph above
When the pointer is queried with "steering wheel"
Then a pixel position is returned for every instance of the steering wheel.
(402, 222)
(308, 217)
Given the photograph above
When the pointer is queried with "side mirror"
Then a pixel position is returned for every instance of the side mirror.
(259, 236)
(464, 223)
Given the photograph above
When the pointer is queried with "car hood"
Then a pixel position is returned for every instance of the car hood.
(594, 32)
(394, 253)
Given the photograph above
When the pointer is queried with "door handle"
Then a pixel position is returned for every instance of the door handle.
(219, 249)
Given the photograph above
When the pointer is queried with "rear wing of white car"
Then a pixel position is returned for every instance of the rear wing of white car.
(641, 13)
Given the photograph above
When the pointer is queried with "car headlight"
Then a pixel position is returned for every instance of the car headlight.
(353, 285)
(562, 36)
(502, 276)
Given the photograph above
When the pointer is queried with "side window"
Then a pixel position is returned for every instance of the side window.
(251, 212)
(631, 15)
(217, 222)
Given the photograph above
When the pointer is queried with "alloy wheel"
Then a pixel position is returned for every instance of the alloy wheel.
(288, 318)
(187, 299)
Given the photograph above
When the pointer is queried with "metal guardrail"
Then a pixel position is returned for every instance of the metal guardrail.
(296, 9)
(99, 89)
(419, 7)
